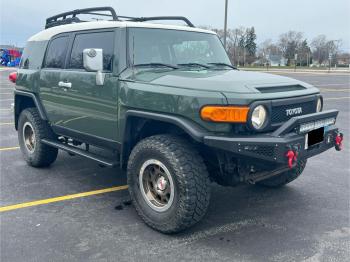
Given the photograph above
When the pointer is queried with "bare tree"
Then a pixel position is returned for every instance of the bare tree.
(323, 48)
(241, 47)
(232, 42)
(319, 45)
(269, 48)
(236, 51)
(289, 43)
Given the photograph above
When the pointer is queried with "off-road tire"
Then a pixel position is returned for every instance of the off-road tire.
(285, 177)
(43, 155)
(191, 182)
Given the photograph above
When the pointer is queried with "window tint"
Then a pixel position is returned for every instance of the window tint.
(56, 53)
(102, 40)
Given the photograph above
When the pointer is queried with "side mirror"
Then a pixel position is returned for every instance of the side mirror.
(93, 62)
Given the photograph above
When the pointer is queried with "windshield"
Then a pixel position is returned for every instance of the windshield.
(174, 47)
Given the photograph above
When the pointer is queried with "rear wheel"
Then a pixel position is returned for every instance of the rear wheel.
(285, 177)
(168, 183)
(31, 130)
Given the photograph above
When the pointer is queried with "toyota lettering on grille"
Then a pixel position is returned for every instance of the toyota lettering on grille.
(294, 111)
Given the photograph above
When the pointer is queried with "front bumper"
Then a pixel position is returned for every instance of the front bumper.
(274, 146)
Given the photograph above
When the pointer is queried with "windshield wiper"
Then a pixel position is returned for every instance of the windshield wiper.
(156, 65)
(194, 64)
(224, 64)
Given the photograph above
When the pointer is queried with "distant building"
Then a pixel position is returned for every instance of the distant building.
(277, 60)
(10, 55)
(343, 59)
(11, 47)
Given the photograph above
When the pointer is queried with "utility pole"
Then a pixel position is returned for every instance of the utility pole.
(244, 56)
(225, 26)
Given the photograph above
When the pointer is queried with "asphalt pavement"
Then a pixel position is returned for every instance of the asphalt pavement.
(308, 220)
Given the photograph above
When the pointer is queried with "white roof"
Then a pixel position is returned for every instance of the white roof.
(50, 32)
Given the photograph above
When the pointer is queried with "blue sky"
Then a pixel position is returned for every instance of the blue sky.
(22, 18)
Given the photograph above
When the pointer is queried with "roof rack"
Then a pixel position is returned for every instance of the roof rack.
(71, 17)
(157, 18)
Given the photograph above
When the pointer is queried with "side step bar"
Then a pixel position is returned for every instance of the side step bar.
(81, 152)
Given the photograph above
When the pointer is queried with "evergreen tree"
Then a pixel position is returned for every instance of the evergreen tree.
(250, 44)
(304, 52)
(241, 49)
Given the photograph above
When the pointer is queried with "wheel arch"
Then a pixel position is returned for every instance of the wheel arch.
(25, 100)
(141, 124)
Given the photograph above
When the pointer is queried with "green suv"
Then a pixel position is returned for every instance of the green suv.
(169, 106)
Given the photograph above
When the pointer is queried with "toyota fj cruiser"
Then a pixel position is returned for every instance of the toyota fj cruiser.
(168, 103)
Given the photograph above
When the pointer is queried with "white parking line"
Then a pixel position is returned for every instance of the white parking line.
(343, 84)
(8, 68)
(334, 90)
(337, 98)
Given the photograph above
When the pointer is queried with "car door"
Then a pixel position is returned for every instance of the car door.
(53, 64)
(90, 111)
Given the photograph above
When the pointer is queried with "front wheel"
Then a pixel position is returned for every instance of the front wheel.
(285, 177)
(168, 183)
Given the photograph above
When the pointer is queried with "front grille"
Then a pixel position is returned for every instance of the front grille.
(279, 113)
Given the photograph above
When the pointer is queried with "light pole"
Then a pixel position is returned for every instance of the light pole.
(225, 26)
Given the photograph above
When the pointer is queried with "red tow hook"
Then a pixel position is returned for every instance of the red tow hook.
(339, 142)
(292, 158)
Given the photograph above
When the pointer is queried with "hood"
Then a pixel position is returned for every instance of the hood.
(224, 81)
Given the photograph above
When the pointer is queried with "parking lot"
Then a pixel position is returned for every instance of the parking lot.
(306, 220)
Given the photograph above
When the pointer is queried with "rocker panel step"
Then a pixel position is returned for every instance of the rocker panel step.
(77, 151)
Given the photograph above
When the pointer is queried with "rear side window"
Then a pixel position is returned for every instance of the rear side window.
(102, 40)
(56, 53)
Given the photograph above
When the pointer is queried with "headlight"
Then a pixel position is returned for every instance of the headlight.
(258, 117)
(319, 105)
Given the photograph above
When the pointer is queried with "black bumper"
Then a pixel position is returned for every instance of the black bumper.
(274, 146)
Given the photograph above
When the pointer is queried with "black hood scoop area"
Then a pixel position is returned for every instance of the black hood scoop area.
(274, 89)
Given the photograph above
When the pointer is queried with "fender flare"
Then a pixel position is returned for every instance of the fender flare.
(33, 97)
(191, 128)
(36, 101)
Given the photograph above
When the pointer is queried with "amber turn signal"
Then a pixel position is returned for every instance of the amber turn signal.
(231, 114)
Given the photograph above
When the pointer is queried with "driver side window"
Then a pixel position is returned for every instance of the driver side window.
(103, 40)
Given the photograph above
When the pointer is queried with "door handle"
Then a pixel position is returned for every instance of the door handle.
(65, 84)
